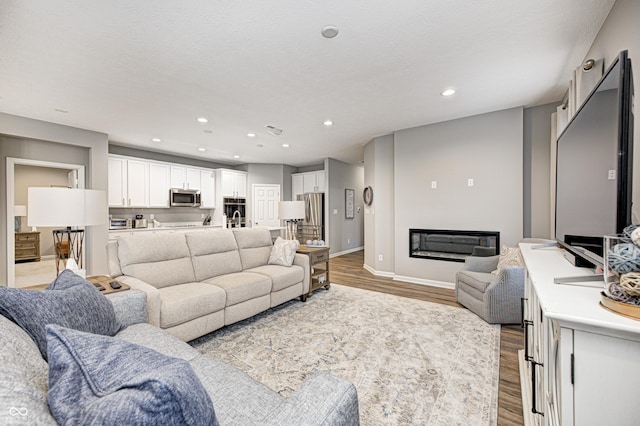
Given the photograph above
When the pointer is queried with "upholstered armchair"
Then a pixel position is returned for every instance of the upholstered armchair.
(493, 297)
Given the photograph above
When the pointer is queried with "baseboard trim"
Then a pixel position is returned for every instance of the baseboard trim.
(422, 281)
(340, 253)
(378, 273)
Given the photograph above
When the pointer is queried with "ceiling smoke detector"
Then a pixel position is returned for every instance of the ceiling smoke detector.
(330, 31)
(274, 130)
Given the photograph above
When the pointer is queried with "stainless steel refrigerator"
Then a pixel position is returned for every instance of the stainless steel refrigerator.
(312, 227)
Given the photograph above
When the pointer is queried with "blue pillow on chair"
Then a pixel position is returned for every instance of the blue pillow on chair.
(69, 300)
(105, 380)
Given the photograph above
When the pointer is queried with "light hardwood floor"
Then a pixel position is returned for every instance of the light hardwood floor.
(348, 270)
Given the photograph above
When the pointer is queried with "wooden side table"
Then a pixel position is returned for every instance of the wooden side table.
(319, 267)
(27, 246)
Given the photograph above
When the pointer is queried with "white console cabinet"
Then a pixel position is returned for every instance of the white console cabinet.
(581, 362)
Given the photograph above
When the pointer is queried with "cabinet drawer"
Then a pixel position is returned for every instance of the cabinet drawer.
(319, 257)
(27, 237)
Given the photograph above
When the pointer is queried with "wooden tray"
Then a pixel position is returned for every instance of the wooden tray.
(624, 309)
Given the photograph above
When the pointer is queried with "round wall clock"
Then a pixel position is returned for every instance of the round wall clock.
(367, 195)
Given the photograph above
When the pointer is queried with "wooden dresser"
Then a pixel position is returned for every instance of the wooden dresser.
(27, 246)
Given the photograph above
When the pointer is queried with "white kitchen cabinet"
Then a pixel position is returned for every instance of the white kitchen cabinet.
(159, 184)
(233, 183)
(137, 183)
(297, 186)
(208, 189)
(579, 366)
(307, 182)
(185, 177)
(117, 180)
(128, 182)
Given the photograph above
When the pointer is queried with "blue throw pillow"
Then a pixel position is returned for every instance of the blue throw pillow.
(70, 301)
(102, 380)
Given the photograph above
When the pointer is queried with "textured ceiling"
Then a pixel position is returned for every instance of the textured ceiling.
(143, 69)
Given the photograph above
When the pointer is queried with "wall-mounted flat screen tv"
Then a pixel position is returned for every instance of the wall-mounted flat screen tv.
(594, 167)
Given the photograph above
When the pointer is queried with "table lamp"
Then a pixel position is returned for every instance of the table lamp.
(291, 212)
(71, 208)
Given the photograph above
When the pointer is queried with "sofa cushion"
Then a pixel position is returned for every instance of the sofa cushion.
(281, 276)
(283, 252)
(24, 377)
(213, 253)
(238, 398)
(184, 302)
(159, 340)
(70, 301)
(101, 380)
(254, 245)
(242, 286)
(161, 259)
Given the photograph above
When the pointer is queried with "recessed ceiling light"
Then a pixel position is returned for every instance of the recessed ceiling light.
(251, 135)
(329, 31)
(202, 149)
(285, 145)
(448, 92)
(202, 120)
(236, 156)
(328, 123)
(156, 139)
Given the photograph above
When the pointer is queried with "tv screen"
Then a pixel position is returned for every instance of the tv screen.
(594, 162)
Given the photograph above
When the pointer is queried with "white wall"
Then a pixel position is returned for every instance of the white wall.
(487, 148)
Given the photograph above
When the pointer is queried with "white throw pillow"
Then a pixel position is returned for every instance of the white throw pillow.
(509, 256)
(283, 252)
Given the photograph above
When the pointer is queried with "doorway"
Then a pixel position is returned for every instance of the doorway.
(65, 171)
(265, 204)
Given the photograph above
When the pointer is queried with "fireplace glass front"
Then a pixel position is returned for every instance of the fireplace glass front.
(453, 246)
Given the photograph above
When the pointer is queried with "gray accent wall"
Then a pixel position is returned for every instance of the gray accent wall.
(486, 148)
(344, 234)
(537, 171)
(621, 31)
(27, 138)
(379, 218)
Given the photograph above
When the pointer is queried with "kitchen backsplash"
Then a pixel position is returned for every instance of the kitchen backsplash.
(175, 214)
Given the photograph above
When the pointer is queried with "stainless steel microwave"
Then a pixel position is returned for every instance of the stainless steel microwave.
(184, 197)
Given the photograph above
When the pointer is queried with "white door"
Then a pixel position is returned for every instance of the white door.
(265, 205)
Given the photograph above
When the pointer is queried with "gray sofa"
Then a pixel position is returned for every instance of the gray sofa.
(322, 399)
(197, 282)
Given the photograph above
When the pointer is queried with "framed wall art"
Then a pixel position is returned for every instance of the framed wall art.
(349, 195)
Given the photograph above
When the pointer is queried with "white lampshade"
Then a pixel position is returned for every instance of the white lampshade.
(66, 207)
(19, 211)
(288, 210)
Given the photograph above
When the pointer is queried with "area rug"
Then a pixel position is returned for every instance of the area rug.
(412, 362)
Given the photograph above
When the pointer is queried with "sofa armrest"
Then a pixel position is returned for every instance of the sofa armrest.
(481, 264)
(323, 399)
(130, 306)
(303, 261)
(153, 297)
(503, 297)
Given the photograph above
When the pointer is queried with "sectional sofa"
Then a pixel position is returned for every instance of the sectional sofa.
(127, 379)
(197, 282)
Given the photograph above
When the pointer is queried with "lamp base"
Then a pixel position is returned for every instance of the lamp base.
(292, 230)
(68, 245)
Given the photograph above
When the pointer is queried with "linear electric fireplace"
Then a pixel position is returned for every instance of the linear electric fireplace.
(453, 246)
